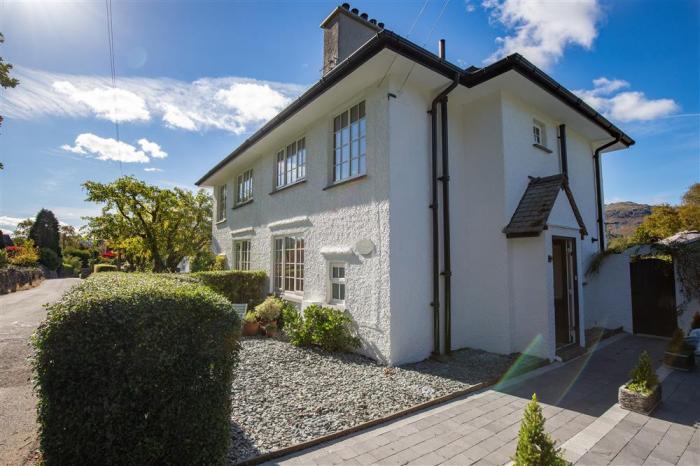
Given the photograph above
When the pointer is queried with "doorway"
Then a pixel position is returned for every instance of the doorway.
(566, 317)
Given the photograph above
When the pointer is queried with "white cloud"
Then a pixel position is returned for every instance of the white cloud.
(232, 104)
(625, 106)
(106, 149)
(152, 149)
(540, 30)
(153, 169)
(9, 223)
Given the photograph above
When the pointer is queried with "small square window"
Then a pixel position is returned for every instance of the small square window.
(539, 135)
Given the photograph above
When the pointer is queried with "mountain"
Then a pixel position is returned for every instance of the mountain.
(623, 218)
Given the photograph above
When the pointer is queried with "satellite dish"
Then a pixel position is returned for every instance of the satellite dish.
(364, 247)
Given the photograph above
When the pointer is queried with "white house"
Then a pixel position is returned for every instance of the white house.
(442, 207)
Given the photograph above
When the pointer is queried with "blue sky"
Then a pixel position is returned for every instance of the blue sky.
(194, 79)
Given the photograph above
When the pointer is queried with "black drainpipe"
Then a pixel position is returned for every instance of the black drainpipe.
(562, 151)
(442, 99)
(599, 191)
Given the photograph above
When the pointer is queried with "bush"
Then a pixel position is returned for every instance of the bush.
(83, 254)
(288, 313)
(75, 262)
(3, 258)
(23, 256)
(236, 285)
(136, 369)
(105, 268)
(535, 446)
(268, 310)
(13, 278)
(643, 378)
(67, 270)
(220, 263)
(326, 327)
(49, 259)
(677, 343)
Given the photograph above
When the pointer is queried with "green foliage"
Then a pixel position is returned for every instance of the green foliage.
(288, 313)
(22, 229)
(25, 255)
(535, 446)
(663, 222)
(136, 369)
(3, 258)
(75, 262)
(643, 378)
(238, 286)
(250, 317)
(269, 310)
(44, 232)
(202, 261)
(5, 79)
(329, 328)
(695, 323)
(168, 224)
(49, 259)
(105, 268)
(689, 210)
(83, 254)
(220, 263)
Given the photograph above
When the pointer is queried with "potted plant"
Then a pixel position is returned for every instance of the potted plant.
(267, 314)
(679, 354)
(251, 326)
(642, 393)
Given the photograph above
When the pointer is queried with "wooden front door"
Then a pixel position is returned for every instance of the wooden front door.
(653, 297)
(565, 291)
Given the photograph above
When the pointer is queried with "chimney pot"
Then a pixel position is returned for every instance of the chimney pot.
(355, 10)
(364, 16)
(373, 21)
(346, 6)
(381, 25)
(441, 49)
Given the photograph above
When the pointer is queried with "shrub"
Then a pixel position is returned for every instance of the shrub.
(75, 262)
(677, 343)
(83, 254)
(105, 268)
(269, 310)
(49, 259)
(249, 317)
(136, 369)
(535, 446)
(220, 263)
(3, 258)
(236, 285)
(695, 323)
(67, 270)
(643, 378)
(23, 256)
(326, 327)
(288, 313)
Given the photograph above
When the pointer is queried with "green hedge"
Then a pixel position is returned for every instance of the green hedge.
(237, 286)
(136, 369)
(105, 268)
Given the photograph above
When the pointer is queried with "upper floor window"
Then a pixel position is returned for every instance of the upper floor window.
(349, 143)
(539, 134)
(241, 255)
(291, 163)
(221, 203)
(244, 187)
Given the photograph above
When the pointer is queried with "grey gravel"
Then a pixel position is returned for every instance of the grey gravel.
(283, 395)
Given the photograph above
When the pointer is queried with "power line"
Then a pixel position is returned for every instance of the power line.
(113, 70)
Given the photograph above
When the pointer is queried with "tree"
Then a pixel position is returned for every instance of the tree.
(22, 228)
(5, 79)
(44, 231)
(663, 222)
(689, 210)
(69, 237)
(535, 446)
(170, 223)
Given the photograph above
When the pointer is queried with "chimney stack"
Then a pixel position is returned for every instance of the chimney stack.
(441, 49)
(344, 31)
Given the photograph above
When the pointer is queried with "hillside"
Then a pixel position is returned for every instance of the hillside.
(622, 218)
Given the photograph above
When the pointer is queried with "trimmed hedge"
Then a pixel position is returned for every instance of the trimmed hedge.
(105, 268)
(13, 278)
(136, 369)
(237, 286)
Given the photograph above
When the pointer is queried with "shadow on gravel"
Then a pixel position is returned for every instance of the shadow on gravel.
(242, 447)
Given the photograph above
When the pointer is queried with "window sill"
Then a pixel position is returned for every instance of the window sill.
(287, 186)
(345, 181)
(242, 204)
(543, 148)
(219, 222)
(293, 297)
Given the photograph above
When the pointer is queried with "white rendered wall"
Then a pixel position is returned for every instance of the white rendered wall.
(331, 220)
(608, 294)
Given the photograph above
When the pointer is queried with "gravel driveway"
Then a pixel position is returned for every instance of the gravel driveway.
(283, 395)
(20, 314)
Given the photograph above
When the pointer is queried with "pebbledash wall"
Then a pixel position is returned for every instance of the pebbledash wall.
(331, 221)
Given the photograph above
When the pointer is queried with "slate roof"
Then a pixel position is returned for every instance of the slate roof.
(530, 217)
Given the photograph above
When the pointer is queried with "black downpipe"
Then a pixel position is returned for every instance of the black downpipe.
(599, 191)
(445, 178)
(562, 151)
(434, 206)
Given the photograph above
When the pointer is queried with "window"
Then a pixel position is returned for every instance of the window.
(241, 255)
(288, 269)
(221, 203)
(349, 143)
(539, 136)
(291, 163)
(244, 187)
(337, 272)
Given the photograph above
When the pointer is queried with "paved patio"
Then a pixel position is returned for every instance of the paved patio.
(579, 401)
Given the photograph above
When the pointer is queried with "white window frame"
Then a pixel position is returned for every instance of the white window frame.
(290, 163)
(287, 259)
(336, 281)
(539, 133)
(349, 143)
(244, 187)
(221, 195)
(241, 254)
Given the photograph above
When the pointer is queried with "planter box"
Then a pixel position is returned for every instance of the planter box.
(683, 361)
(633, 401)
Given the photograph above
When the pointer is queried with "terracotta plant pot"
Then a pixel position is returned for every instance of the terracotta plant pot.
(637, 402)
(251, 328)
(683, 360)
